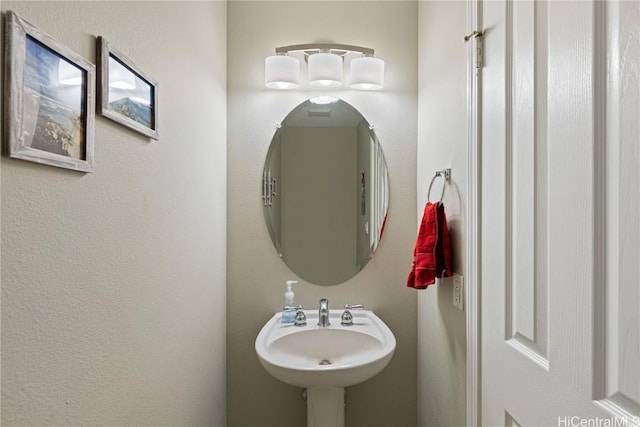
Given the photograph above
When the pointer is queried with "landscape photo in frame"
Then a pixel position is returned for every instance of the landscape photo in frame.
(126, 95)
(50, 103)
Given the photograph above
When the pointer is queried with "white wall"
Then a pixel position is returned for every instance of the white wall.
(255, 275)
(113, 283)
(442, 142)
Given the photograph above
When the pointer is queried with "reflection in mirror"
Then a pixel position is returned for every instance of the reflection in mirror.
(325, 192)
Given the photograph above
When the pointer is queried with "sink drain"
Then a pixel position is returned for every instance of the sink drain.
(324, 362)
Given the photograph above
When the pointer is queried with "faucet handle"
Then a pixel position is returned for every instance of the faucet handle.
(347, 317)
(301, 318)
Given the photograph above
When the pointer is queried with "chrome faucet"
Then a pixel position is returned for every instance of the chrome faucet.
(323, 313)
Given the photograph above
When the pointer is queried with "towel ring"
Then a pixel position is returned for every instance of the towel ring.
(446, 175)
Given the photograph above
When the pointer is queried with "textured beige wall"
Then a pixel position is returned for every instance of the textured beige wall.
(113, 283)
(255, 275)
(442, 142)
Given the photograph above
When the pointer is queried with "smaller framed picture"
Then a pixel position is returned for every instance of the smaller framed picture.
(126, 95)
(49, 101)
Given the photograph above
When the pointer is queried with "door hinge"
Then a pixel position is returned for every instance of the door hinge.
(477, 35)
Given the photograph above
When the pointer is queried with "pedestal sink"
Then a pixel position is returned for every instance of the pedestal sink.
(325, 360)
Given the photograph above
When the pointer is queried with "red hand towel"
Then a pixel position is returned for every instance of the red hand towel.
(432, 254)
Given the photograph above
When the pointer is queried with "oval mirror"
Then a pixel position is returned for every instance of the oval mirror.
(325, 192)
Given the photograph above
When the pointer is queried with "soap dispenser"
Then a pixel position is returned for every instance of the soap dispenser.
(289, 313)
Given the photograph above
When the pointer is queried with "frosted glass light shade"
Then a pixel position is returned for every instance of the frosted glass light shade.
(325, 70)
(281, 72)
(367, 73)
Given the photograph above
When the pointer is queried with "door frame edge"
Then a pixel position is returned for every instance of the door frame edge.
(472, 273)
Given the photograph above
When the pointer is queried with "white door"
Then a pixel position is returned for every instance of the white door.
(560, 213)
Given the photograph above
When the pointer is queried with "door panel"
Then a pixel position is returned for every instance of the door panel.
(620, 301)
(560, 212)
(526, 169)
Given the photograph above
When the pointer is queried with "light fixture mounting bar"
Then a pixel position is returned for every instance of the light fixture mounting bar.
(318, 47)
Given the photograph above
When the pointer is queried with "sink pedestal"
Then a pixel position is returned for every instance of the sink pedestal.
(325, 407)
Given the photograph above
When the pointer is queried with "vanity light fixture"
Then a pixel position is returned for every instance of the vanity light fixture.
(367, 73)
(324, 66)
(325, 69)
(281, 72)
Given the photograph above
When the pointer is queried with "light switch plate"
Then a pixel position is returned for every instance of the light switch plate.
(458, 291)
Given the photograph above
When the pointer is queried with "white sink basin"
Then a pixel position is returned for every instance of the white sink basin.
(334, 356)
